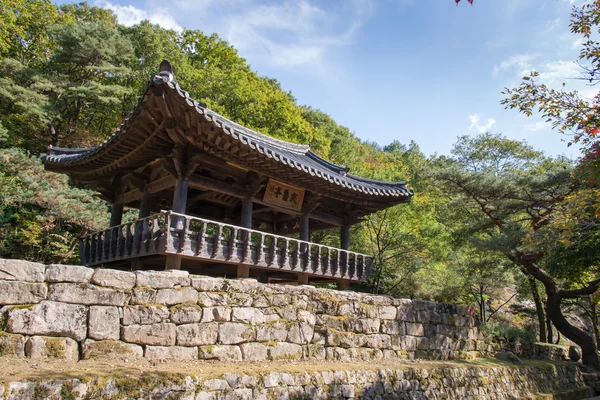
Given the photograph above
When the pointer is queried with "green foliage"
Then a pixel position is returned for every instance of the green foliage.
(498, 332)
(41, 215)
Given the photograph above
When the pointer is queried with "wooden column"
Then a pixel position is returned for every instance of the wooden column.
(116, 214)
(304, 248)
(305, 227)
(243, 270)
(180, 201)
(144, 205)
(140, 227)
(344, 284)
(180, 194)
(345, 237)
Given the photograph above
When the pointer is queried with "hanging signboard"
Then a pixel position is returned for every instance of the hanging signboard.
(283, 195)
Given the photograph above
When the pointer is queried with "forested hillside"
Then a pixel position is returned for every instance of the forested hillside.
(494, 223)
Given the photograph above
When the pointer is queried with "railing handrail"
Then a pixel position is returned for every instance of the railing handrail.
(110, 229)
(250, 230)
(224, 225)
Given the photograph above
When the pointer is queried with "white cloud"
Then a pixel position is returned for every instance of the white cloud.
(130, 15)
(474, 120)
(290, 33)
(558, 71)
(522, 63)
(537, 126)
(285, 33)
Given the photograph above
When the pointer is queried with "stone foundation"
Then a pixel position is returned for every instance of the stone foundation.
(74, 312)
(431, 382)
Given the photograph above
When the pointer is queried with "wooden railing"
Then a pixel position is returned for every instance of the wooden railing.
(172, 233)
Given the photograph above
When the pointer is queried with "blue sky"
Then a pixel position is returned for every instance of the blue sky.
(422, 70)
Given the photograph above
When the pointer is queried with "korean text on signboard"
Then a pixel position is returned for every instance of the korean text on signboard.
(283, 195)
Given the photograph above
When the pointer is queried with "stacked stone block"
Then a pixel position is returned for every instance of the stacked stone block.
(76, 312)
(482, 382)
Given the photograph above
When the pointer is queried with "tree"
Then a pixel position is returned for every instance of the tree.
(41, 215)
(570, 112)
(511, 192)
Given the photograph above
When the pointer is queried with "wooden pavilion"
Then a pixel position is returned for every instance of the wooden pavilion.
(241, 204)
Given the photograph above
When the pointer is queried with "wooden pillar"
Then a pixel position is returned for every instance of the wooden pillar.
(180, 201)
(116, 214)
(304, 248)
(345, 237)
(144, 205)
(140, 227)
(180, 192)
(243, 270)
(344, 284)
(302, 279)
(305, 227)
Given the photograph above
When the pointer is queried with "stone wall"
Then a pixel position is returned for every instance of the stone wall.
(481, 382)
(74, 312)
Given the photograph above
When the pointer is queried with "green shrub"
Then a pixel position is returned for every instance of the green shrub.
(506, 334)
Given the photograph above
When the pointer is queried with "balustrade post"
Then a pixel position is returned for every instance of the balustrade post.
(259, 248)
(201, 241)
(217, 242)
(232, 244)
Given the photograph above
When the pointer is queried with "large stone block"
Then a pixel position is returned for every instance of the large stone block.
(248, 315)
(12, 345)
(68, 273)
(163, 279)
(104, 323)
(197, 334)
(300, 333)
(143, 295)
(144, 314)
(220, 314)
(52, 347)
(186, 314)
(17, 292)
(110, 349)
(212, 299)
(387, 312)
(273, 331)
(221, 353)
(164, 334)
(208, 284)
(344, 339)
(415, 329)
(171, 352)
(19, 270)
(392, 327)
(114, 278)
(85, 293)
(49, 318)
(254, 351)
(377, 341)
(176, 296)
(234, 333)
(285, 351)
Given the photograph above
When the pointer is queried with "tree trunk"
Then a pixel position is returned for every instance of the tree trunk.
(550, 337)
(589, 353)
(539, 308)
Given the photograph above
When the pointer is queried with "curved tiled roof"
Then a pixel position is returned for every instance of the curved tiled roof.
(296, 156)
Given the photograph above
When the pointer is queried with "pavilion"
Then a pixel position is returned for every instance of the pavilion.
(240, 203)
